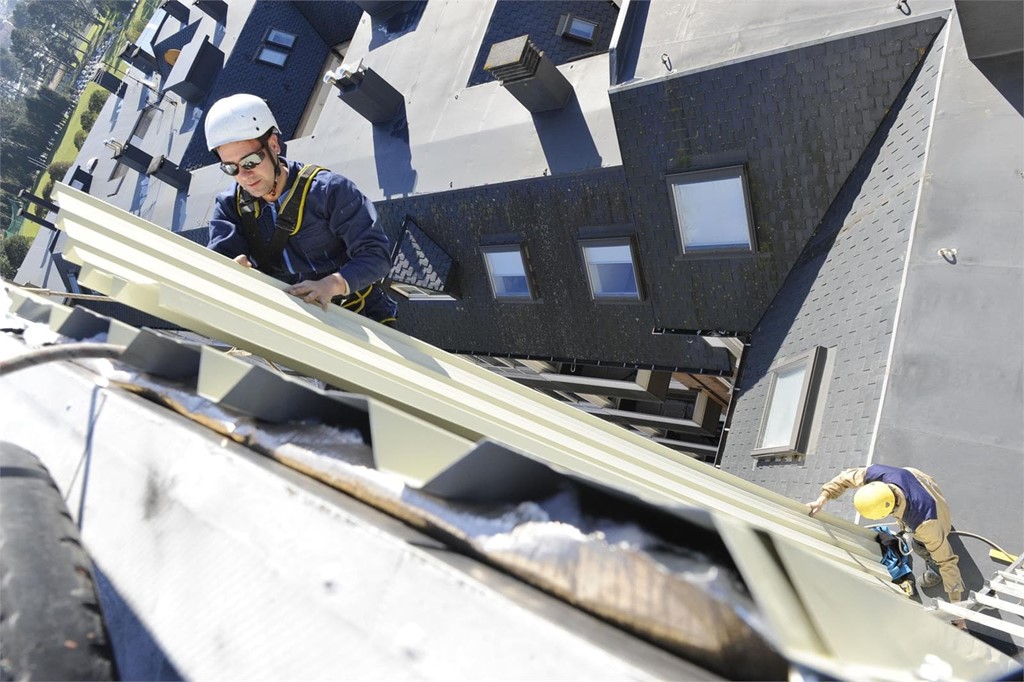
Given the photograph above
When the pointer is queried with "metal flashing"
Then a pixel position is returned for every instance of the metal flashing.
(785, 47)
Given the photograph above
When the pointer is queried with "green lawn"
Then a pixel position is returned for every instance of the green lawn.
(66, 151)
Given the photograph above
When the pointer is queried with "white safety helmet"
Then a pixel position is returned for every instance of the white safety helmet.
(236, 118)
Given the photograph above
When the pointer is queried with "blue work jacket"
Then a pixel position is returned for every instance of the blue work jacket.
(339, 232)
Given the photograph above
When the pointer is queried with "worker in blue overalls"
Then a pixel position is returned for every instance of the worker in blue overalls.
(306, 226)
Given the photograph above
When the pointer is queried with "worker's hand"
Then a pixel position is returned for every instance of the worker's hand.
(959, 623)
(243, 260)
(816, 506)
(320, 291)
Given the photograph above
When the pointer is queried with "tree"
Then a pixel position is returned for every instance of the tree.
(45, 110)
(8, 206)
(19, 143)
(10, 67)
(88, 118)
(97, 100)
(45, 33)
(47, 188)
(58, 169)
(13, 250)
(7, 271)
(16, 248)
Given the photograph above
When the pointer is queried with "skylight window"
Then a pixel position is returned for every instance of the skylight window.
(507, 270)
(280, 38)
(611, 268)
(576, 28)
(712, 210)
(269, 55)
(790, 406)
(276, 47)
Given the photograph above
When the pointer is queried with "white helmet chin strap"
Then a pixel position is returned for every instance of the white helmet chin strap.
(277, 162)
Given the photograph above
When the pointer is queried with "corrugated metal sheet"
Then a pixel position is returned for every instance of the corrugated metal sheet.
(817, 581)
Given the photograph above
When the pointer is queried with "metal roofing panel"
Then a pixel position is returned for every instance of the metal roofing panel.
(806, 604)
(150, 268)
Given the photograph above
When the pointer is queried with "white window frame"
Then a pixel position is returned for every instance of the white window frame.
(415, 293)
(812, 362)
(531, 292)
(628, 242)
(716, 174)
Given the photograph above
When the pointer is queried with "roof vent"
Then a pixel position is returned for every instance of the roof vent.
(528, 74)
(364, 90)
(167, 171)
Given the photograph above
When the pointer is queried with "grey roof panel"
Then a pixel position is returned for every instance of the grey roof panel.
(954, 404)
(842, 294)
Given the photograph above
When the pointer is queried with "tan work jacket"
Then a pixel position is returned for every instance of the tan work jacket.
(932, 533)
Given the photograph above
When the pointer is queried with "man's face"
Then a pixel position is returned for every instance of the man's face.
(259, 181)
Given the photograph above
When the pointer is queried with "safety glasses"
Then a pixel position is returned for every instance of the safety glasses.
(245, 163)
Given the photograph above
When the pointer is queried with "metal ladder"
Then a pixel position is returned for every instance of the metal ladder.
(1003, 593)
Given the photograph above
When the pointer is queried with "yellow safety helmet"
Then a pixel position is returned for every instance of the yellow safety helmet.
(874, 500)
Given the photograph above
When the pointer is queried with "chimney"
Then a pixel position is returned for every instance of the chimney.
(166, 170)
(382, 9)
(139, 58)
(131, 156)
(217, 9)
(111, 83)
(81, 179)
(365, 91)
(175, 9)
(529, 75)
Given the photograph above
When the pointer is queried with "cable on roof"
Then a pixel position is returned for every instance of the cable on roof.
(67, 351)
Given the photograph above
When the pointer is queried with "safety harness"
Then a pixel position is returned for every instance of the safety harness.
(289, 221)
